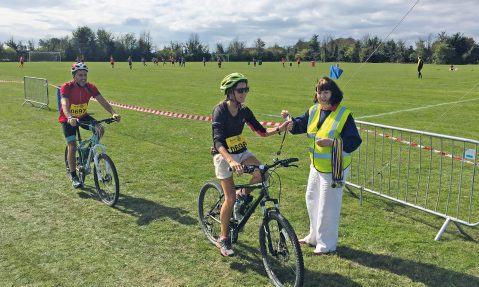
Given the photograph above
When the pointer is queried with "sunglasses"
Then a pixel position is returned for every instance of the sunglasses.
(242, 90)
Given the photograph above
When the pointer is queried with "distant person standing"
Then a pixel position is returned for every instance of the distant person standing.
(112, 62)
(298, 61)
(283, 60)
(204, 62)
(220, 60)
(21, 61)
(130, 62)
(254, 62)
(143, 61)
(420, 63)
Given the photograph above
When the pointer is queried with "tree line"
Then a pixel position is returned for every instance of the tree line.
(99, 45)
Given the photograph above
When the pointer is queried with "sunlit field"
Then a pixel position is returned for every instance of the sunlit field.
(54, 235)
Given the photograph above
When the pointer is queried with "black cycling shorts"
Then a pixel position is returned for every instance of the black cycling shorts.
(70, 131)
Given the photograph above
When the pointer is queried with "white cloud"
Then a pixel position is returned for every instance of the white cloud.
(282, 22)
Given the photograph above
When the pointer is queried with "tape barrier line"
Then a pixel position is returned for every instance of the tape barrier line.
(416, 145)
(15, 82)
(266, 124)
(176, 115)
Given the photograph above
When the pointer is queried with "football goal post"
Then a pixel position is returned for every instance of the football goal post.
(35, 91)
(225, 57)
(44, 56)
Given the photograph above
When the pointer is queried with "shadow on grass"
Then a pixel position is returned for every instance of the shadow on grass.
(251, 260)
(147, 211)
(413, 214)
(428, 274)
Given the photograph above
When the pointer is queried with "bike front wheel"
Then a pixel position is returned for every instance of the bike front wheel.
(106, 180)
(282, 256)
(79, 165)
(210, 201)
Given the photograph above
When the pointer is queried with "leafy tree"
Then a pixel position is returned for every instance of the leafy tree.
(236, 49)
(259, 47)
(442, 53)
(85, 41)
(105, 44)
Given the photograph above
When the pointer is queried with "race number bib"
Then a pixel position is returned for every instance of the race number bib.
(79, 110)
(236, 143)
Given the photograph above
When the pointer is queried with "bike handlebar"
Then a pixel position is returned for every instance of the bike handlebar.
(264, 167)
(88, 123)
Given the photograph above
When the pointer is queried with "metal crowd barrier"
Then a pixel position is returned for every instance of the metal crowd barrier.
(431, 172)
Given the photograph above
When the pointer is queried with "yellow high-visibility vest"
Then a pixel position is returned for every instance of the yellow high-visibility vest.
(331, 128)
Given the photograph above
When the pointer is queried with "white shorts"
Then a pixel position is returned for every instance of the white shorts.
(222, 166)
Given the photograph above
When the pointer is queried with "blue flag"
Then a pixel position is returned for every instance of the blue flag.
(335, 72)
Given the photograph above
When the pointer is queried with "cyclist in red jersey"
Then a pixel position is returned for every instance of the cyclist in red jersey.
(75, 96)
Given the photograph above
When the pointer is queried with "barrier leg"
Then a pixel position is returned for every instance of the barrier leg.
(361, 196)
(443, 228)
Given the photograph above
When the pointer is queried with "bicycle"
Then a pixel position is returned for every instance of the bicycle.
(104, 171)
(279, 246)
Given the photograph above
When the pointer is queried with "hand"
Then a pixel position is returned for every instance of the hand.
(284, 114)
(324, 142)
(287, 125)
(72, 121)
(116, 116)
(236, 167)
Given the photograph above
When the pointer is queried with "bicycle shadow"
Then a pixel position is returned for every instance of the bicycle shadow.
(252, 260)
(147, 211)
(428, 274)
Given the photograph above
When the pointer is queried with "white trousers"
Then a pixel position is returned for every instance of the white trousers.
(324, 206)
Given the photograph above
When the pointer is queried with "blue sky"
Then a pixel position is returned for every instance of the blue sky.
(281, 22)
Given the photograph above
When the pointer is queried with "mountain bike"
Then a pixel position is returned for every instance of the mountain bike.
(279, 246)
(104, 172)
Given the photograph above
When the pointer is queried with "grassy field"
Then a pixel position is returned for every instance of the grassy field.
(53, 235)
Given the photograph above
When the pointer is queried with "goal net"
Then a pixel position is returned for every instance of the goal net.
(44, 56)
(35, 91)
(225, 57)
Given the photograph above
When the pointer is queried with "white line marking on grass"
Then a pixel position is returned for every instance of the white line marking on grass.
(415, 109)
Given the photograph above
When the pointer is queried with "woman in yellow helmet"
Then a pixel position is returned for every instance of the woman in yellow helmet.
(230, 148)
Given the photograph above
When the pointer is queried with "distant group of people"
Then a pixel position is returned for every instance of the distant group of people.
(182, 62)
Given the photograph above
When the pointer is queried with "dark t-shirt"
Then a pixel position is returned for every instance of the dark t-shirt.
(226, 126)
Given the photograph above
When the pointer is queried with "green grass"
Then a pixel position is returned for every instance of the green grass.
(52, 235)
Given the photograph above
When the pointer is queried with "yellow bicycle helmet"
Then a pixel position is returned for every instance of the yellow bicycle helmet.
(231, 80)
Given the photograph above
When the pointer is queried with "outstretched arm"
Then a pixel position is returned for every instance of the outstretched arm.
(107, 107)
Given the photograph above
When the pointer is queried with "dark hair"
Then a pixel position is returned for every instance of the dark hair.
(326, 83)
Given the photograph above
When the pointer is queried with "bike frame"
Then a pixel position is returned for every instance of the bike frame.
(93, 152)
(261, 200)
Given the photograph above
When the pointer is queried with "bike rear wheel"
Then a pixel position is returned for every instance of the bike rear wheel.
(210, 201)
(282, 256)
(106, 180)
(79, 165)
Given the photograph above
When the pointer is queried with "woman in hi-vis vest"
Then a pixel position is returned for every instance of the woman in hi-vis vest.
(332, 136)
